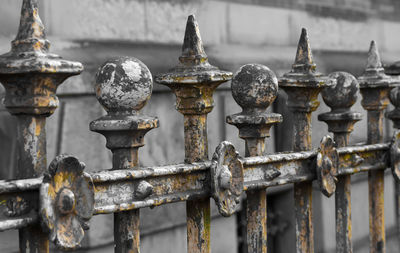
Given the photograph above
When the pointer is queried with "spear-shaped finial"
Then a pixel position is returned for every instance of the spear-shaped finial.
(374, 75)
(192, 48)
(31, 33)
(374, 59)
(304, 61)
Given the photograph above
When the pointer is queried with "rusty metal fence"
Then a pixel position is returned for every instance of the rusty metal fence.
(56, 203)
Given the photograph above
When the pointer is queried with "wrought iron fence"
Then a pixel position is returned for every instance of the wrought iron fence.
(56, 203)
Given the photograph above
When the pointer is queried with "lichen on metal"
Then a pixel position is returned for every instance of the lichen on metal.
(66, 198)
(30, 76)
(375, 87)
(193, 75)
(194, 81)
(193, 67)
(66, 201)
(327, 166)
(302, 85)
(226, 178)
(254, 88)
(31, 70)
(123, 87)
(340, 97)
(374, 75)
(303, 73)
(340, 120)
(181, 182)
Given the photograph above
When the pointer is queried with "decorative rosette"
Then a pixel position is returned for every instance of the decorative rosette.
(327, 166)
(226, 178)
(66, 201)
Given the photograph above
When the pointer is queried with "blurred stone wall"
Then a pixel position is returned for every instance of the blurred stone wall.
(234, 33)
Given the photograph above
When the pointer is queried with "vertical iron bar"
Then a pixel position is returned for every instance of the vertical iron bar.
(256, 206)
(303, 191)
(198, 211)
(394, 115)
(375, 87)
(397, 208)
(31, 164)
(194, 81)
(343, 204)
(126, 224)
(376, 187)
(254, 88)
(31, 76)
(124, 129)
(302, 85)
(340, 97)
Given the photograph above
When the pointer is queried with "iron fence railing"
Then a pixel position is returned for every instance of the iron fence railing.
(56, 203)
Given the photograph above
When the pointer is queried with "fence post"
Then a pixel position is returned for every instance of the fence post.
(31, 76)
(394, 116)
(302, 85)
(375, 87)
(254, 88)
(341, 120)
(194, 81)
(123, 86)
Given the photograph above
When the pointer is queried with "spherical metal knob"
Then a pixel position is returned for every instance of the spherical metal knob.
(123, 85)
(254, 86)
(343, 94)
(395, 97)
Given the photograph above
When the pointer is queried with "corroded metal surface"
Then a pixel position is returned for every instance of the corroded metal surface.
(302, 85)
(327, 166)
(30, 69)
(193, 81)
(31, 75)
(116, 190)
(66, 201)
(254, 88)
(394, 115)
(395, 156)
(68, 198)
(340, 97)
(226, 178)
(123, 86)
(375, 86)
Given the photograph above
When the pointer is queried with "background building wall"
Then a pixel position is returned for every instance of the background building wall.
(234, 33)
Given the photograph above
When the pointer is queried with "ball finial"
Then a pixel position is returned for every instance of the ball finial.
(343, 94)
(254, 86)
(395, 97)
(123, 85)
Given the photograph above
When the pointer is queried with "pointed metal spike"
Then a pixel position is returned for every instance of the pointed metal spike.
(374, 59)
(192, 48)
(304, 61)
(192, 44)
(304, 55)
(31, 33)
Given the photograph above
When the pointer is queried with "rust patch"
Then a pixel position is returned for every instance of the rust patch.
(327, 166)
(66, 201)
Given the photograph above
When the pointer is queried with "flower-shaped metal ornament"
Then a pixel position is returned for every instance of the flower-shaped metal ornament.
(395, 156)
(226, 178)
(327, 166)
(66, 201)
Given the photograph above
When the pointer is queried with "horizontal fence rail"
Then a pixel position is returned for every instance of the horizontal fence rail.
(56, 203)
